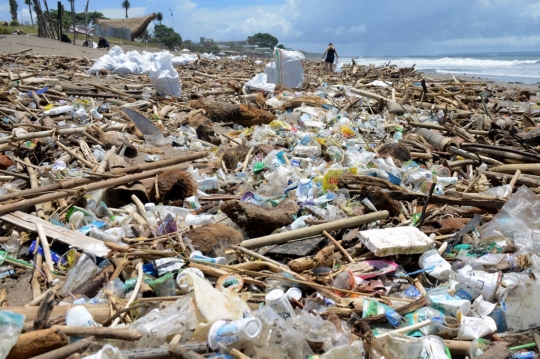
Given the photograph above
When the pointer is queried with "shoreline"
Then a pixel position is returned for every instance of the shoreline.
(49, 47)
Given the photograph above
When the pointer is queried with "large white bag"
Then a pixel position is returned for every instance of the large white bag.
(163, 76)
(287, 68)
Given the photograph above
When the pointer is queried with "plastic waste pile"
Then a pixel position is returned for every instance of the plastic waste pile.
(251, 212)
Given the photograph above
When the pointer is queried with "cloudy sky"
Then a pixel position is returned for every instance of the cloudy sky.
(356, 27)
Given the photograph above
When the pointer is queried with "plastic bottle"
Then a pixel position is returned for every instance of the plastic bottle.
(80, 273)
(95, 114)
(58, 110)
(197, 255)
(13, 244)
(225, 332)
(208, 184)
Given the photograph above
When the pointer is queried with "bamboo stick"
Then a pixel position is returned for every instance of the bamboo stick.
(284, 237)
(45, 246)
(81, 181)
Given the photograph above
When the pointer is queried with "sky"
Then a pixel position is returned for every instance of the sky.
(356, 27)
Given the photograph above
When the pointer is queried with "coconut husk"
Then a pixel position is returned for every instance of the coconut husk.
(173, 187)
(232, 156)
(259, 221)
(211, 239)
(397, 151)
(244, 115)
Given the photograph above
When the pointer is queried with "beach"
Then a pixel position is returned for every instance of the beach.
(155, 194)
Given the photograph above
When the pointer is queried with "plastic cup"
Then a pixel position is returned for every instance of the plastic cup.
(442, 269)
(277, 300)
(477, 283)
(181, 279)
(228, 332)
(79, 316)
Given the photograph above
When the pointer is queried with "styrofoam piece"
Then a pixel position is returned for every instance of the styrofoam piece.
(398, 240)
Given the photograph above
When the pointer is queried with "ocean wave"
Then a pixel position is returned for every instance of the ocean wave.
(504, 67)
(446, 62)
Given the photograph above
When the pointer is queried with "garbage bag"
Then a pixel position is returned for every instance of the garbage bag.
(286, 69)
(163, 76)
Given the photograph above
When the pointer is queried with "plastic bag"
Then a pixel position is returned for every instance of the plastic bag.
(11, 325)
(163, 76)
(288, 68)
(260, 83)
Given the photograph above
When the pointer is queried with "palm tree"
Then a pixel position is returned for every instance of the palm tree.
(126, 5)
(29, 3)
(159, 17)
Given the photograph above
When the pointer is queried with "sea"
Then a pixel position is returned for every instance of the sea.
(519, 68)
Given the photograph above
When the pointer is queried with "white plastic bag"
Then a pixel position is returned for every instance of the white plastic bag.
(287, 68)
(260, 83)
(127, 67)
(163, 76)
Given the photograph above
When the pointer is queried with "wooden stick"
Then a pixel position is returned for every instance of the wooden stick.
(39, 298)
(338, 246)
(515, 178)
(81, 159)
(34, 184)
(99, 332)
(134, 294)
(37, 342)
(45, 247)
(246, 161)
(66, 351)
(100, 312)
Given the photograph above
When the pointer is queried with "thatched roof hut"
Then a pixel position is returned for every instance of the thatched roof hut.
(137, 25)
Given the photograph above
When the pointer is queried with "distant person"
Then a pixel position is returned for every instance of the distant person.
(329, 54)
(85, 43)
(65, 38)
(103, 43)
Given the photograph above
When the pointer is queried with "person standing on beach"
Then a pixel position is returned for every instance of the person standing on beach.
(328, 57)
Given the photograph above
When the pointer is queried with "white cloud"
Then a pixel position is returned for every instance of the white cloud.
(186, 5)
(238, 22)
(532, 10)
(352, 30)
(120, 13)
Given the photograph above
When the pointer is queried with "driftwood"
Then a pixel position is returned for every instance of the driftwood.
(37, 342)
